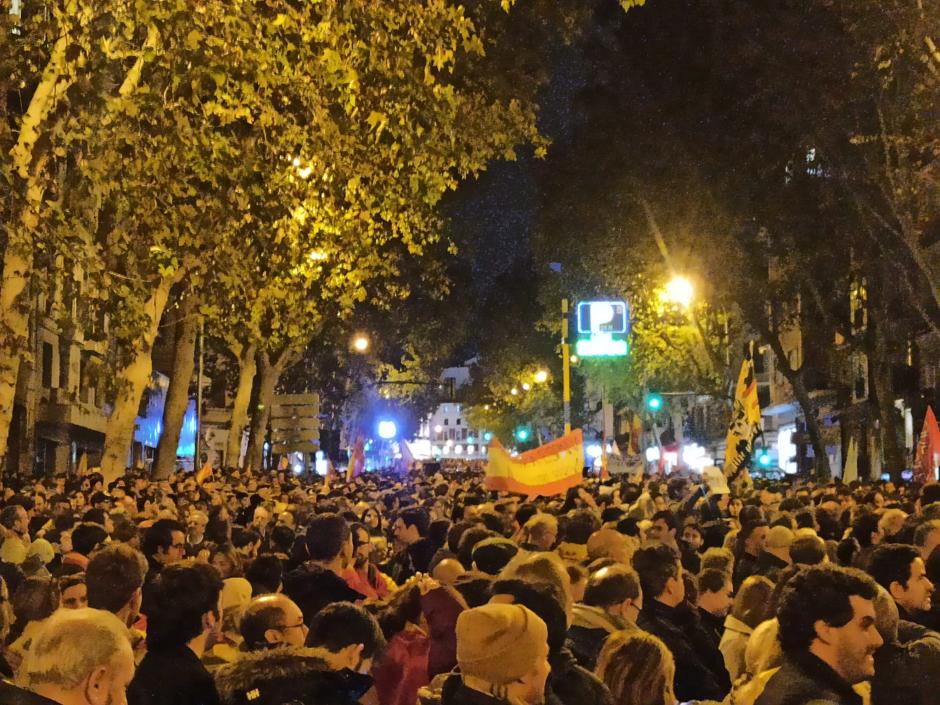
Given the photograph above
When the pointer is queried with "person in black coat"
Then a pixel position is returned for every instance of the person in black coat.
(700, 672)
(183, 615)
(317, 582)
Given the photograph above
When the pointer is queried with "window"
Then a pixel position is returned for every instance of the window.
(47, 365)
(458, 422)
(447, 422)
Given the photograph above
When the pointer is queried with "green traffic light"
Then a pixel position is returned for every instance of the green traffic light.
(654, 402)
(522, 435)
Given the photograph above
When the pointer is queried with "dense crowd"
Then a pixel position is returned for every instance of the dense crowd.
(391, 590)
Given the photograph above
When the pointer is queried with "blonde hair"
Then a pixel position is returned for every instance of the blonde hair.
(71, 645)
(637, 668)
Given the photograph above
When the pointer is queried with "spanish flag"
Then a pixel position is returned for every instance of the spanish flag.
(551, 469)
(204, 473)
(745, 421)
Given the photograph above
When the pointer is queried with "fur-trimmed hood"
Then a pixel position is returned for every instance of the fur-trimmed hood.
(286, 675)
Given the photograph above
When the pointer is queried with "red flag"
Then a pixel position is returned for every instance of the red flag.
(928, 449)
(357, 461)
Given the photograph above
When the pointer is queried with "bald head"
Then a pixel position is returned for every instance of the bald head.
(272, 619)
(447, 571)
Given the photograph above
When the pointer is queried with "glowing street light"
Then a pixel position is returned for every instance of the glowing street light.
(387, 430)
(541, 377)
(514, 391)
(360, 343)
(526, 386)
(679, 291)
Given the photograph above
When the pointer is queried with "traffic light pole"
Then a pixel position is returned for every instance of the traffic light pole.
(566, 365)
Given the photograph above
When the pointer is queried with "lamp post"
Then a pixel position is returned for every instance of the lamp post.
(565, 365)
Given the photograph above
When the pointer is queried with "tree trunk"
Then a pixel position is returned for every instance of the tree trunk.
(247, 368)
(177, 394)
(59, 73)
(132, 381)
(262, 411)
(823, 470)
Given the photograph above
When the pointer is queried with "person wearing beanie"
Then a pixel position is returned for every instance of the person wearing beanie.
(775, 558)
(502, 652)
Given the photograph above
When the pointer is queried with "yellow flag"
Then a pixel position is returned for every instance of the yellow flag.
(745, 421)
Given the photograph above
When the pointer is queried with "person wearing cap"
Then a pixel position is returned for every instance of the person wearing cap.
(502, 652)
(775, 558)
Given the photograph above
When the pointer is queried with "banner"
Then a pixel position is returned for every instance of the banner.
(204, 473)
(551, 469)
(928, 449)
(745, 421)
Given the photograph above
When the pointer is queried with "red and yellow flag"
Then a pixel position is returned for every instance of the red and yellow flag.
(928, 449)
(204, 473)
(551, 469)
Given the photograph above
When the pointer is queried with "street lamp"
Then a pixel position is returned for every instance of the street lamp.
(526, 386)
(360, 343)
(514, 391)
(541, 377)
(679, 291)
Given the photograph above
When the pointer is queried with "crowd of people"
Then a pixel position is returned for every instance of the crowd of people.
(427, 589)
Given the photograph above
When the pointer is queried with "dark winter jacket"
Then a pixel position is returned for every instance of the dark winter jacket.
(700, 668)
(288, 675)
(744, 568)
(172, 676)
(11, 695)
(713, 626)
(313, 588)
(570, 684)
(806, 680)
(908, 672)
(590, 627)
(769, 566)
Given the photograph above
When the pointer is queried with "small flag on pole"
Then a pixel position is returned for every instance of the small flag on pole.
(205, 472)
(357, 461)
(850, 470)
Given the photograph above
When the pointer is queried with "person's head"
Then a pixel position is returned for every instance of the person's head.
(887, 618)
(752, 538)
(165, 542)
(660, 574)
(637, 668)
(545, 568)
(828, 611)
(719, 558)
(35, 599)
(715, 592)
(265, 573)
(900, 570)
(411, 525)
(80, 656)
(541, 530)
(692, 536)
(349, 635)
(502, 650)
(115, 577)
(447, 571)
(808, 550)
(579, 525)
(890, 523)
(261, 518)
(87, 537)
(328, 538)
(491, 555)
(927, 536)
(610, 543)
(665, 528)
(752, 604)
(778, 541)
(183, 604)
(15, 518)
(272, 620)
(616, 590)
(74, 591)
